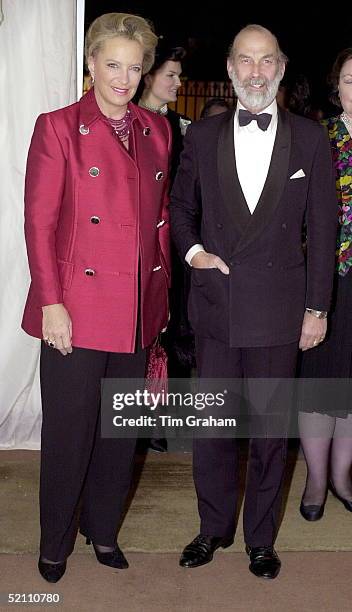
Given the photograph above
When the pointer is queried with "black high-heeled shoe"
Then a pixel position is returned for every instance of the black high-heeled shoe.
(51, 572)
(114, 558)
(346, 502)
(312, 512)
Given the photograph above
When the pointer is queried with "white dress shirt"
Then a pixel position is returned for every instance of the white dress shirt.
(253, 151)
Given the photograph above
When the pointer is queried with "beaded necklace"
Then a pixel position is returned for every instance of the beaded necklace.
(162, 110)
(347, 121)
(121, 127)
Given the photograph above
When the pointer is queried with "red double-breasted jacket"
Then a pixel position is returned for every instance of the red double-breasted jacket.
(96, 225)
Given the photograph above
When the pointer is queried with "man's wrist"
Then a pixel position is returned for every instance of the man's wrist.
(196, 248)
(319, 314)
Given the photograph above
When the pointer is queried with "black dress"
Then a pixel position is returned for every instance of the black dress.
(333, 357)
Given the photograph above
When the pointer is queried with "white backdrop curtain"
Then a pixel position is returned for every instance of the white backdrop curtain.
(38, 73)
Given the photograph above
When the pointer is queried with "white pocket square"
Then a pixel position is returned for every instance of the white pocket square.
(298, 174)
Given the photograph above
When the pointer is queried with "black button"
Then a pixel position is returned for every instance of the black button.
(89, 272)
(270, 264)
(284, 226)
(232, 264)
(219, 225)
(95, 220)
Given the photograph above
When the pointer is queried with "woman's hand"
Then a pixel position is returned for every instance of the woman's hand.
(57, 327)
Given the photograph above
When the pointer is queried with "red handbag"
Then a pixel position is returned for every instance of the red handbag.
(156, 379)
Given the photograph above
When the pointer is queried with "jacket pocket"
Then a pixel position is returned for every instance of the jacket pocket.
(204, 276)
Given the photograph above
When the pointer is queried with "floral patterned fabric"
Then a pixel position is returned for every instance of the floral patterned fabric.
(341, 144)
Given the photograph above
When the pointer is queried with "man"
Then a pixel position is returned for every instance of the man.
(247, 181)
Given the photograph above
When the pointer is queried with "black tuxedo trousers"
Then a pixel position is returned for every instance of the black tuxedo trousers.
(215, 461)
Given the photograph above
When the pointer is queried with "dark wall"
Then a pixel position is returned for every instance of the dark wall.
(310, 38)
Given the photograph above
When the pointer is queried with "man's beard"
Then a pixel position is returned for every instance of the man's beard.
(256, 100)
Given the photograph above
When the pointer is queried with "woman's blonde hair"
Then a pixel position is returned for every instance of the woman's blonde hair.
(132, 27)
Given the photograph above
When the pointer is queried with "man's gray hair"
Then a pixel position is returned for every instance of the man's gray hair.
(254, 27)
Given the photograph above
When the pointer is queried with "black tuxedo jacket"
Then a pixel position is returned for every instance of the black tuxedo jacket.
(262, 301)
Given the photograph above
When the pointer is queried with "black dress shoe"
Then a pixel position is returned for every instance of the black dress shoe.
(51, 572)
(201, 550)
(312, 513)
(346, 502)
(265, 562)
(113, 558)
(158, 445)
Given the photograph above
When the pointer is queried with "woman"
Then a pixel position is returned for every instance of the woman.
(326, 431)
(97, 239)
(159, 88)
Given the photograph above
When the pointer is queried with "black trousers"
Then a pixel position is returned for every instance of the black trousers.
(84, 479)
(215, 461)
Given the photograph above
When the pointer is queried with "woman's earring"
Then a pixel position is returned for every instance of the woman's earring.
(92, 78)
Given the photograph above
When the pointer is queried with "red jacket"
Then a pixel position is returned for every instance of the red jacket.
(93, 215)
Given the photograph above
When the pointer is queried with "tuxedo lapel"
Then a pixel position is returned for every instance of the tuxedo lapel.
(274, 184)
(230, 187)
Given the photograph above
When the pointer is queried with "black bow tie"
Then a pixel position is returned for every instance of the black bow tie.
(245, 117)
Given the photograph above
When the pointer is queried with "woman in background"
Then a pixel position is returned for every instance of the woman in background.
(96, 228)
(326, 431)
(159, 88)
